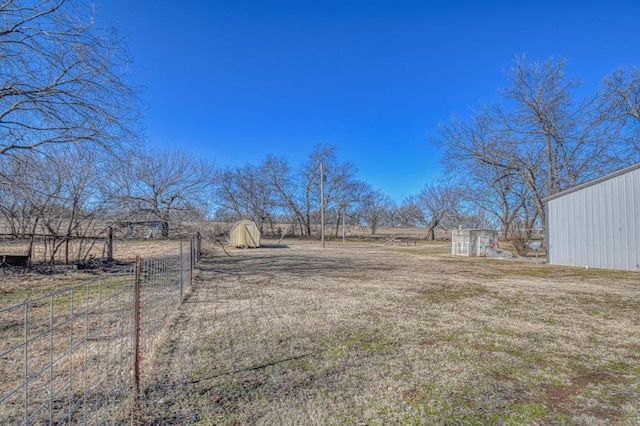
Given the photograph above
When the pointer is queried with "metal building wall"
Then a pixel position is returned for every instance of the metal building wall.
(597, 224)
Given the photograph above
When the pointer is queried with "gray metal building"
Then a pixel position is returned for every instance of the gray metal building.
(597, 224)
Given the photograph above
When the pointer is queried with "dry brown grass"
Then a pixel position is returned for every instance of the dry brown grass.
(364, 334)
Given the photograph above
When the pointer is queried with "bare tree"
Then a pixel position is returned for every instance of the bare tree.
(497, 192)
(309, 182)
(58, 194)
(346, 203)
(343, 191)
(538, 134)
(299, 190)
(439, 205)
(26, 193)
(620, 101)
(61, 78)
(376, 207)
(164, 185)
(409, 213)
(284, 183)
(476, 145)
(575, 138)
(245, 192)
(80, 201)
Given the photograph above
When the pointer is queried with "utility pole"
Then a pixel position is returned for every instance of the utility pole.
(322, 203)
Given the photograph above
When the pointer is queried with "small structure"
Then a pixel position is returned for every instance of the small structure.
(472, 242)
(13, 260)
(245, 234)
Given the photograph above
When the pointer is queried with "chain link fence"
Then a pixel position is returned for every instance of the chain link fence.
(77, 356)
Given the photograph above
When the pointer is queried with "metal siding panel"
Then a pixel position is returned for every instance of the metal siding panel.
(564, 250)
(573, 233)
(556, 234)
(634, 232)
(601, 243)
(556, 216)
(612, 239)
(618, 193)
(635, 200)
(570, 238)
(578, 227)
(600, 225)
(630, 229)
(588, 213)
(562, 237)
(575, 237)
(615, 222)
(552, 232)
(625, 198)
(610, 224)
(583, 223)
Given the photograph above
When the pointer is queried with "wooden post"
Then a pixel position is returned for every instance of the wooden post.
(198, 246)
(110, 245)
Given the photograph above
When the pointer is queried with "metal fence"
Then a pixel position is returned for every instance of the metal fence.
(83, 246)
(78, 355)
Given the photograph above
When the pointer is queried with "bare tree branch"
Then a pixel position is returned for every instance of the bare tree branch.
(62, 78)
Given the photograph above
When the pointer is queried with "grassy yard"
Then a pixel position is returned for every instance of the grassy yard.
(364, 334)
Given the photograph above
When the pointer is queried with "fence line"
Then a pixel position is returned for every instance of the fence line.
(84, 247)
(74, 356)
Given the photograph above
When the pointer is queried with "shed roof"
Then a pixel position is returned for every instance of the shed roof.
(592, 182)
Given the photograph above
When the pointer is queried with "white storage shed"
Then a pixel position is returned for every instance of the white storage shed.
(597, 224)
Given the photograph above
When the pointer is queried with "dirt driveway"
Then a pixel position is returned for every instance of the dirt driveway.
(365, 334)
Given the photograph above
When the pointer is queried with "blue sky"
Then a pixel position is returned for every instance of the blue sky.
(233, 81)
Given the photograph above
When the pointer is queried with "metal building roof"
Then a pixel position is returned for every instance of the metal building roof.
(592, 182)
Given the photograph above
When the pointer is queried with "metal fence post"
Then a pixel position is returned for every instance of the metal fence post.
(191, 262)
(136, 360)
(26, 363)
(181, 277)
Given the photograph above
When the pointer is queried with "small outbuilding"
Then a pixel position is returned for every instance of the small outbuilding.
(245, 233)
(596, 224)
(472, 242)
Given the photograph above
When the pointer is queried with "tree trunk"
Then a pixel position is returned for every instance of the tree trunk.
(431, 232)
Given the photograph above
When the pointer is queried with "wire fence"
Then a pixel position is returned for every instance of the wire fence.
(78, 355)
(88, 243)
